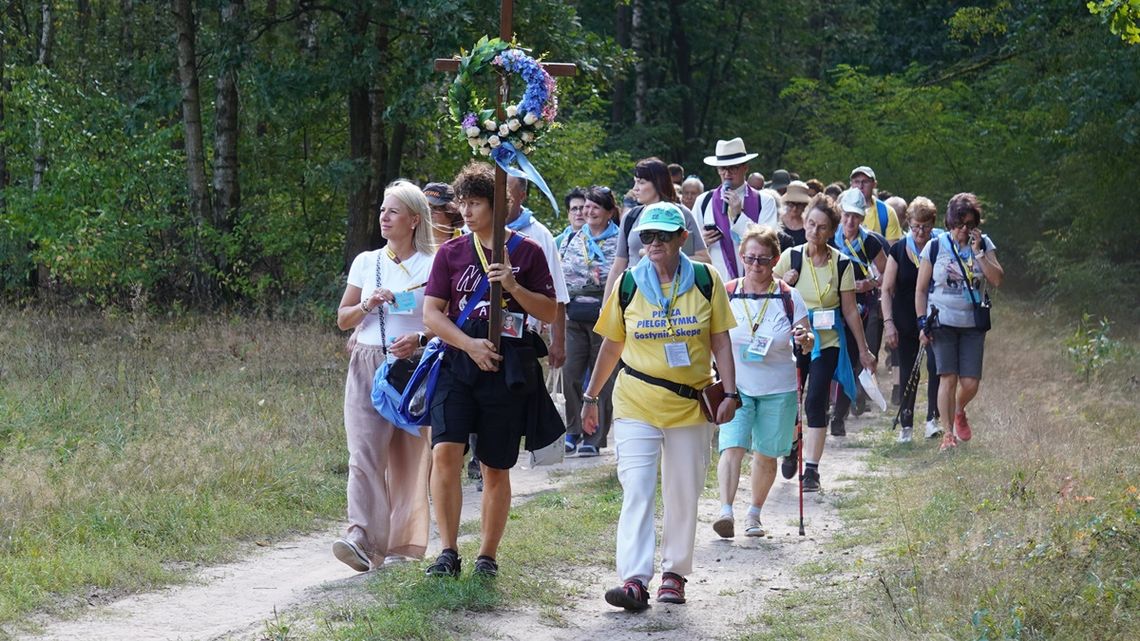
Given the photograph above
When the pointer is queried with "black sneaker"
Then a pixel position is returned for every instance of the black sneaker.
(811, 480)
(446, 564)
(838, 427)
(791, 462)
(486, 566)
(631, 595)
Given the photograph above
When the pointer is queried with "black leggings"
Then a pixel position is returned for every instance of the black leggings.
(819, 386)
(908, 352)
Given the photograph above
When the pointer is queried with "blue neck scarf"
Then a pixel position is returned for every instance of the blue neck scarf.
(645, 275)
(841, 244)
(525, 218)
(592, 246)
(560, 239)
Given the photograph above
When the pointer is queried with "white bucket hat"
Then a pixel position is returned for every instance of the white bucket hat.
(728, 153)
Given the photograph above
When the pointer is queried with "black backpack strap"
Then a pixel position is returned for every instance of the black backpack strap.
(626, 289)
(789, 306)
(797, 259)
(631, 220)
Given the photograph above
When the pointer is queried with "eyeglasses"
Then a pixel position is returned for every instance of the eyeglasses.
(756, 260)
(648, 237)
(731, 168)
(926, 227)
(795, 205)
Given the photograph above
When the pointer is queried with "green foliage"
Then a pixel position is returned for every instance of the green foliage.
(1090, 347)
(1122, 16)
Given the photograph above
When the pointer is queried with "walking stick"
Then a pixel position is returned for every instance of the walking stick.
(911, 389)
(800, 441)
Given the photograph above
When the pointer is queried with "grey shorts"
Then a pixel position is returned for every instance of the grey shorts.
(959, 350)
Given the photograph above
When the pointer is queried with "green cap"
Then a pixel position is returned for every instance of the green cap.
(661, 216)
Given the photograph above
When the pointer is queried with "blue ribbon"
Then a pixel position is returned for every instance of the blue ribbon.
(505, 155)
(649, 283)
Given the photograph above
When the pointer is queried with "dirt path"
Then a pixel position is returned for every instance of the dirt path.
(732, 578)
(237, 599)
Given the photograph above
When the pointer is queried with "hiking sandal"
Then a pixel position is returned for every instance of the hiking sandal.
(486, 566)
(446, 564)
(672, 588)
(631, 595)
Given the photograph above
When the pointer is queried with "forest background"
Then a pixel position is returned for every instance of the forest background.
(218, 153)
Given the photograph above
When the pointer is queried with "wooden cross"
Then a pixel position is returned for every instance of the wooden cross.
(506, 33)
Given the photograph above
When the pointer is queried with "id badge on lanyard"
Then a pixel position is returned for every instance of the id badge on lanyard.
(677, 354)
(823, 319)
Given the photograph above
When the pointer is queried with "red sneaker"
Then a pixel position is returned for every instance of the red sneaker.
(962, 427)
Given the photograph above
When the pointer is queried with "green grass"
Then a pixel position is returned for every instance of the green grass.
(132, 448)
(545, 536)
(1030, 532)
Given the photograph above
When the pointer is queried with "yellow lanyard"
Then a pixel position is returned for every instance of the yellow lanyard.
(672, 305)
(759, 319)
(395, 259)
(484, 263)
(967, 265)
(815, 279)
(586, 249)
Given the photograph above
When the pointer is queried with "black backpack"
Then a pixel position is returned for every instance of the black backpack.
(797, 259)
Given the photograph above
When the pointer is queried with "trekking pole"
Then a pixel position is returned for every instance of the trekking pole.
(911, 389)
(799, 446)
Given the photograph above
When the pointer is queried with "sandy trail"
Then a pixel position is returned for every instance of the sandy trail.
(290, 580)
(235, 600)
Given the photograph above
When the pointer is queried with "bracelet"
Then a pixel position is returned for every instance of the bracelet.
(589, 400)
(735, 395)
(364, 308)
(889, 320)
(922, 322)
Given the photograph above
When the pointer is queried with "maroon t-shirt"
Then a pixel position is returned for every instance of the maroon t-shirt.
(456, 273)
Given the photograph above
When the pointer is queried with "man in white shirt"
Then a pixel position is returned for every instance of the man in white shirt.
(522, 220)
(728, 210)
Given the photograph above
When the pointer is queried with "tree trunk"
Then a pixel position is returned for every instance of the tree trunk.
(641, 66)
(381, 175)
(621, 36)
(126, 29)
(43, 62)
(3, 96)
(227, 190)
(682, 54)
(196, 188)
(358, 235)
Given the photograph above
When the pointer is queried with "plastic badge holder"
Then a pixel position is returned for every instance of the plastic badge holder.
(871, 385)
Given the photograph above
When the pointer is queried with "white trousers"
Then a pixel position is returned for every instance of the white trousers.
(683, 468)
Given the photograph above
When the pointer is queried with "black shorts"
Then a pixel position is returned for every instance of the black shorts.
(470, 401)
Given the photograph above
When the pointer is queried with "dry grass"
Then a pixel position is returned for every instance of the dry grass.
(129, 447)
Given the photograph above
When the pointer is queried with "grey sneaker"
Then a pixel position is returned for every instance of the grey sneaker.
(752, 526)
(906, 435)
(932, 429)
(350, 554)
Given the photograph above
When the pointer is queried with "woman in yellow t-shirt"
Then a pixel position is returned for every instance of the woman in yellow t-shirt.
(671, 327)
(828, 289)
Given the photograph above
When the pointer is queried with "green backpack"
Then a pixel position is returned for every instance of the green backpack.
(701, 278)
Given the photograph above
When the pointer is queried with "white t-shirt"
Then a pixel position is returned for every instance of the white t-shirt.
(775, 373)
(397, 278)
(768, 215)
(950, 294)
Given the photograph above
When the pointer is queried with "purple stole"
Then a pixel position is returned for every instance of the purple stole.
(751, 209)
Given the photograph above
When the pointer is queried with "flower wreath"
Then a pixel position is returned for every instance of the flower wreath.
(477, 121)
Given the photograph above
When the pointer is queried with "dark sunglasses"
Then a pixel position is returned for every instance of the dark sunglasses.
(969, 225)
(754, 260)
(600, 189)
(648, 237)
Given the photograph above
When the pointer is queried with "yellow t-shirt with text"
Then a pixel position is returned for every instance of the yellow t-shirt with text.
(871, 221)
(643, 330)
(826, 278)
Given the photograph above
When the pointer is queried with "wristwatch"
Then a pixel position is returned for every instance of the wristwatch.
(735, 395)
(589, 400)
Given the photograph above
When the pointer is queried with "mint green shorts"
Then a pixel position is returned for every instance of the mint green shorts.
(763, 424)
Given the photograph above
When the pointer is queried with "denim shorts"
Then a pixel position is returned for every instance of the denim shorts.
(959, 350)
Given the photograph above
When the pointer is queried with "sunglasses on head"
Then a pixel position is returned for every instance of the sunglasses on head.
(756, 260)
(648, 237)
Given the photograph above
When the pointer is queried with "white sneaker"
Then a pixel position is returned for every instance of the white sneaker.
(906, 435)
(933, 430)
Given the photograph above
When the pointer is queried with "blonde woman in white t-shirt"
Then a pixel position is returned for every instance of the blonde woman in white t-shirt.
(388, 467)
